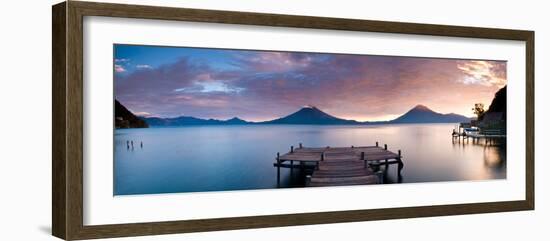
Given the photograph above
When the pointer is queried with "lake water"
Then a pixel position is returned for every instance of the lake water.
(221, 158)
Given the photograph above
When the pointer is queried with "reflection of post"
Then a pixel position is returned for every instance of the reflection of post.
(400, 166)
(278, 171)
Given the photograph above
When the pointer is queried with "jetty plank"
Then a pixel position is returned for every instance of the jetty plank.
(344, 181)
(343, 173)
(300, 157)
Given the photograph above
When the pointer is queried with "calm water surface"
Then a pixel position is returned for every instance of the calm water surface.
(219, 158)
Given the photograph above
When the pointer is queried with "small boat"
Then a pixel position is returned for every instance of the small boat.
(471, 129)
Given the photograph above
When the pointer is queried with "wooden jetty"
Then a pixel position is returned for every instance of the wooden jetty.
(490, 135)
(337, 166)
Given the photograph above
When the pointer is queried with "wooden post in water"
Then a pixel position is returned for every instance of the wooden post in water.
(291, 149)
(376, 143)
(386, 160)
(300, 145)
(399, 165)
(278, 170)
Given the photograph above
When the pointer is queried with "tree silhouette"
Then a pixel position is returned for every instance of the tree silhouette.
(479, 110)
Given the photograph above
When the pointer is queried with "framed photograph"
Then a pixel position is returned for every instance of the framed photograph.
(171, 120)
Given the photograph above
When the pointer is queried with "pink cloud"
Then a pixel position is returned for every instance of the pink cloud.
(275, 61)
(119, 68)
(143, 113)
(485, 73)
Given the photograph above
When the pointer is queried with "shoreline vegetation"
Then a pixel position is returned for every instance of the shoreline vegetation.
(307, 115)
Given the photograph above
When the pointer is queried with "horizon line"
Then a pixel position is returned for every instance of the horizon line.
(304, 106)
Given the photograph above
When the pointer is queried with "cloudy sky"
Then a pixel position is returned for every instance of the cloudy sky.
(263, 85)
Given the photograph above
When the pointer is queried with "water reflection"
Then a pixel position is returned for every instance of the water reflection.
(215, 158)
(494, 152)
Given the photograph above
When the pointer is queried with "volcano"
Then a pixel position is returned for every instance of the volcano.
(311, 115)
(423, 114)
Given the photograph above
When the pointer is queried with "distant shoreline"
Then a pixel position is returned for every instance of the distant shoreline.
(271, 124)
(311, 115)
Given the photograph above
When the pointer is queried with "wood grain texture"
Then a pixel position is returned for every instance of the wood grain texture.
(58, 121)
(74, 134)
(530, 120)
(138, 229)
(67, 119)
(280, 20)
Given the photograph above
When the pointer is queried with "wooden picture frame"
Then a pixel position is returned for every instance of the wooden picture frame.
(67, 124)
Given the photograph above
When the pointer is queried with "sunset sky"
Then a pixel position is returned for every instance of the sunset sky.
(264, 85)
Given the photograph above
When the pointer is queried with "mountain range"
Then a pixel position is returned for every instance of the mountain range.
(188, 120)
(311, 115)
